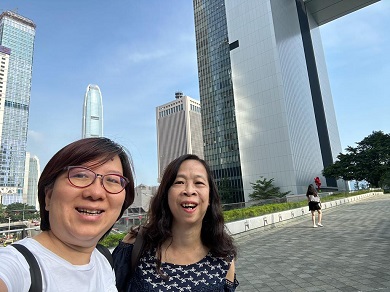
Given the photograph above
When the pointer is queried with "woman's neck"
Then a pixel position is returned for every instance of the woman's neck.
(185, 247)
(76, 255)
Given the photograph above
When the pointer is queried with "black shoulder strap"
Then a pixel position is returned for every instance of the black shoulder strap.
(134, 259)
(137, 249)
(104, 250)
(35, 271)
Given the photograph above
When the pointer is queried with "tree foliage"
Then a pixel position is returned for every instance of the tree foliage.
(368, 161)
(385, 180)
(264, 189)
(18, 212)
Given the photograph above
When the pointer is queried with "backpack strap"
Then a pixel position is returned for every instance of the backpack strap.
(35, 271)
(136, 252)
(104, 250)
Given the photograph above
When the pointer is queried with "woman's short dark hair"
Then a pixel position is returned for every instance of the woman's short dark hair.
(213, 234)
(79, 152)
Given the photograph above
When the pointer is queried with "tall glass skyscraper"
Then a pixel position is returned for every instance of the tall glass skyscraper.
(17, 33)
(93, 112)
(33, 172)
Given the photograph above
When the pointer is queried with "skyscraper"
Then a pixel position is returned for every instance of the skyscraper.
(32, 174)
(17, 35)
(179, 130)
(267, 108)
(93, 112)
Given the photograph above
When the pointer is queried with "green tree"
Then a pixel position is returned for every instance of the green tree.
(368, 161)
(385, 180)
(2, 214)
(20, 211)
(264, 189)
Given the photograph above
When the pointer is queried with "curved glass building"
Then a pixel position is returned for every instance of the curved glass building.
(93, 112)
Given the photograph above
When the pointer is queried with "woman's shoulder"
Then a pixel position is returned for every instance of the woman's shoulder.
(14, 267)
(123, 249)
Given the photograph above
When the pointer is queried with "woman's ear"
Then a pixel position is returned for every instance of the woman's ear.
(48, 194)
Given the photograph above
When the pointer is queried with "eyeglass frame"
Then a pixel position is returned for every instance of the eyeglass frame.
(68, 168)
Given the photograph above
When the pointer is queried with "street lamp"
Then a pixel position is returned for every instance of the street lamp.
(9, 227)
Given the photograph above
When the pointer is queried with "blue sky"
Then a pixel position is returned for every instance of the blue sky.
(140, 52)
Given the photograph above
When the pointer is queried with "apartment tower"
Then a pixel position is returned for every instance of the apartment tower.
(92, 112)
(17, 35)
(267, 108)
(179, 130)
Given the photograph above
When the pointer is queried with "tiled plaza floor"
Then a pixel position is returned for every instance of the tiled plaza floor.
(350, 253)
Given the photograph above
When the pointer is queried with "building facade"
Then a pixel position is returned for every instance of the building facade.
(17, 35)
(267, 109)
(92, 112)
(179, 130)
(138, 210)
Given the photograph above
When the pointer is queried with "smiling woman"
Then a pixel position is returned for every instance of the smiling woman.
(83, 190)
(185, 242)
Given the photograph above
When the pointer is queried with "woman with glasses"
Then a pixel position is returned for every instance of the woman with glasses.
(185, 245)
(83, 190)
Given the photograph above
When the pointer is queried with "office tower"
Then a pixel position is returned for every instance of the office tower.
(179, 130)
(93, 112)
(31, 177)
(267, 108)
(4, 64)
(17, 35)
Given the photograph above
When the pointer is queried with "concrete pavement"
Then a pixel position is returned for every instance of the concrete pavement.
(350, 253)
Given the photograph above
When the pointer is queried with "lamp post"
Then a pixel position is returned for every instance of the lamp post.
(9, 227)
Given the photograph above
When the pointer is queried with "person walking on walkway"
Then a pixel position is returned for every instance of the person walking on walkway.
(314, 205)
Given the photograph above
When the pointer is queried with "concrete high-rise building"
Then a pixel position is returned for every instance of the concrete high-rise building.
(17, 35)
(31, 177)
(93, 112)
(267, 108)
(179, 130)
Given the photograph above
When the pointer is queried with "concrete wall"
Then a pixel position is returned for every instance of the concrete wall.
(244, 225)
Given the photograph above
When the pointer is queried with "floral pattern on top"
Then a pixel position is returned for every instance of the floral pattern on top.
(207, 275)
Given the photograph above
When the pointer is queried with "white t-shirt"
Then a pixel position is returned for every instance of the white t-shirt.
(57, 273)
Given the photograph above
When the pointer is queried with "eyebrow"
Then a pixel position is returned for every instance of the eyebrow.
(196, 176)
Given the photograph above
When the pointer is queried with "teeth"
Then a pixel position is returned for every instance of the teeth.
(89, 212)
(189, 206)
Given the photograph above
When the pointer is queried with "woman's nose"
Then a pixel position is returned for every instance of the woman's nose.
(189, 189)
(95, 190)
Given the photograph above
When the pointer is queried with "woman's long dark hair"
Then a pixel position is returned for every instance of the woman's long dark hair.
(311, 190)
(158, 227)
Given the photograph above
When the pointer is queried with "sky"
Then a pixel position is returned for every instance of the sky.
(141, 52)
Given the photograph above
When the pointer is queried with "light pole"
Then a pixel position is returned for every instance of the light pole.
(9, 227)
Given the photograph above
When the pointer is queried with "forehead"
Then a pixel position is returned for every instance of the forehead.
(192, 166)
(102, 161)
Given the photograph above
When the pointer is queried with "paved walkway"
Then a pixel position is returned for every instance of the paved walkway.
(350, 253)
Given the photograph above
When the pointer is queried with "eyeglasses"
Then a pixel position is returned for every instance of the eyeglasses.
(82, 177)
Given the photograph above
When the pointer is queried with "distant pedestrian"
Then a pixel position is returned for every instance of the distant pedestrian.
(317, 181)
(314, 205)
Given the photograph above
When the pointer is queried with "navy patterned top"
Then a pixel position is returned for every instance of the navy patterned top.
(207, 275)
